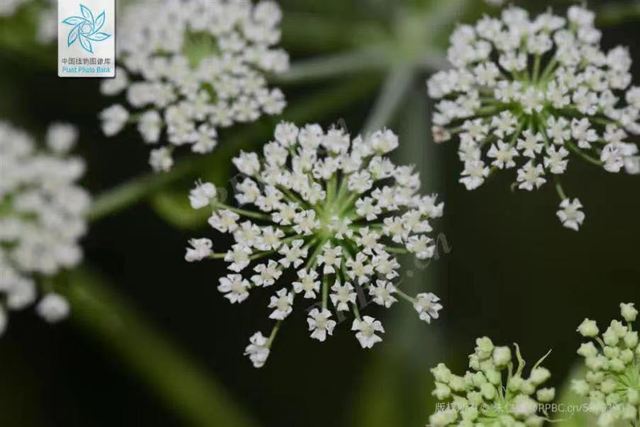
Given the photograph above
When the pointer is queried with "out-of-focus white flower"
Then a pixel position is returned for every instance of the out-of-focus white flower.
(191, 67)
(43, 217)
(47, 22)
(53, 308)
(494, 391)
(613, 370)
(528, 92)
(10, 7)
(335, 212)
(258, 350)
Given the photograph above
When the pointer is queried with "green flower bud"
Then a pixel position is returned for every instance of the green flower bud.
(629, 413)
(515, 383)
(524, 406)
(457, 383)
(493, 376)
(633, 396)
(587, 350)
(588, 328)
(441, 373)
(534, 421)
(479, 379)
(527, 388)
(442, 391)
(611, 337)
(626, 356)
(629, 312)
(488, 391)
(608, 386)
(594, 377)
(606, 419)
(611, 352)
(596, 363)
(501, 356)
(580, 387)
(546, 395)
(475, 398)
(539, 375)
(617, 365)
(484, 347)
(631, 339)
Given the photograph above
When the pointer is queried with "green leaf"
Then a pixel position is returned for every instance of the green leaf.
(174, 207)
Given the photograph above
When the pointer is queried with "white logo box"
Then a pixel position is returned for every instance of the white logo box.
(86, 38)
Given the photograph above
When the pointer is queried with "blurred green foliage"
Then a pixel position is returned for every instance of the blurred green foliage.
(513, 273)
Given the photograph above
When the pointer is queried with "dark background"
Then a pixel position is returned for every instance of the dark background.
(513, 273)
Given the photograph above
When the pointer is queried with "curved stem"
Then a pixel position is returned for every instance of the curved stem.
(191, 392)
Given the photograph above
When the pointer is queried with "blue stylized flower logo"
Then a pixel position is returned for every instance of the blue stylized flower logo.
(86, 29)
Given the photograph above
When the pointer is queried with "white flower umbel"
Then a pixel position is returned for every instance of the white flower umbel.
(42, 217)
(190, 68)
(530, 94)
(493, 392)
(612, 360)
(328, 214)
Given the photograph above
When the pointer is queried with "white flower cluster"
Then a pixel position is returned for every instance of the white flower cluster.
(333, 211)
(493, 392)
(612, 382)
(192, 67)
(47, 30)
(531, 92)
(42, 217)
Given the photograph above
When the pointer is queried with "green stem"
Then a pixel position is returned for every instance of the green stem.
(331, 66)
(395, 88)
(585, 156)
(191, 392)
(559, 188)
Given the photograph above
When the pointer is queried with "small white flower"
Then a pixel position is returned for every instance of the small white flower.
(53, 308)
(530, 176)
(161, 160)
(201, 249)
(307, 283)
(331, 257)
(367, 328)
(555, 160)
(258, 350)
(235, 288)
(382, 293)
(503, 154)
(61, 137)
(267, 274)
(282, 304)
(343, 295)
(570, 214)
(320, 324)
(114, 119)
(202, 195)
(427, 306)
